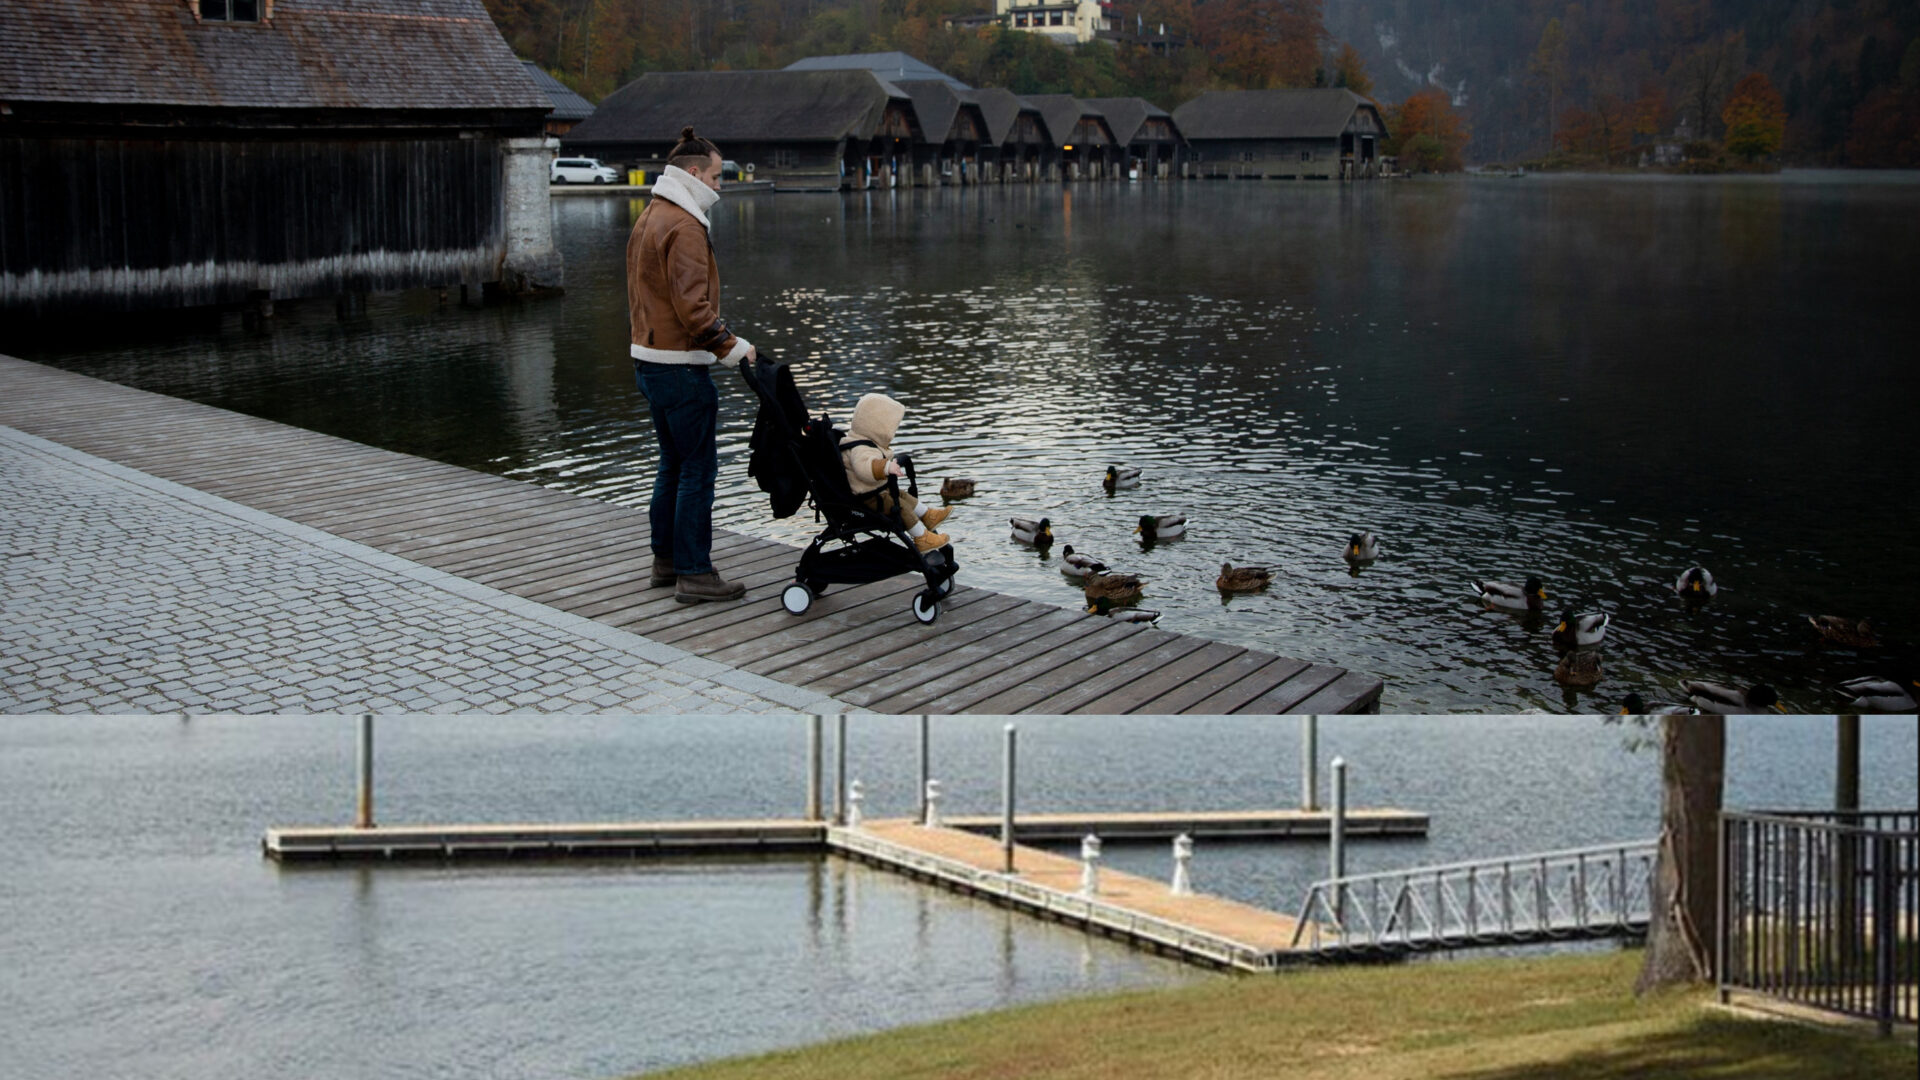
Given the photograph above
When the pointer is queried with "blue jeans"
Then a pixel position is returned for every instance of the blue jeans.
(686, 409)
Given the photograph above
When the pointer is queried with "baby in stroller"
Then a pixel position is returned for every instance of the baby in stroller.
(867, 451)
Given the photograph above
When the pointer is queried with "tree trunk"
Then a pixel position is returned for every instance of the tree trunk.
(1685, 909)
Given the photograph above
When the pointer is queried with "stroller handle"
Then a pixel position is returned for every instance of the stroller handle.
(913, 483)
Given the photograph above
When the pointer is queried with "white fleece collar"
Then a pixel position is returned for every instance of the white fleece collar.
(679, 187)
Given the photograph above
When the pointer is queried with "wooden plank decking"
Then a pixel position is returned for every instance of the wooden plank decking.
(987, 653)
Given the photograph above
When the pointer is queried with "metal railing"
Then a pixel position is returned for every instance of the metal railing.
(1517, 899)
(1818, 909)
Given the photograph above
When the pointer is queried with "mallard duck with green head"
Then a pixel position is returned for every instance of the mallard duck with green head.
(1033, 533)
(1505, 597)
(1103, 606)
(1161, 526)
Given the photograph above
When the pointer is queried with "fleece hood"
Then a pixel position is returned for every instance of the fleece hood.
(876, 417)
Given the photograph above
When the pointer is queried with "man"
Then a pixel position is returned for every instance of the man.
(673, 303)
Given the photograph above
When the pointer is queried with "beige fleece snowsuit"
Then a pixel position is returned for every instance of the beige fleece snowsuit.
(876, 417)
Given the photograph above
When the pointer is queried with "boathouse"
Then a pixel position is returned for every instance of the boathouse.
(1145, 138)
(1018, 146)
(804, 130)
(172, 153)
(952, 131)
(894, 67)
(1321, 134)
(1081, 136)
(569, 108)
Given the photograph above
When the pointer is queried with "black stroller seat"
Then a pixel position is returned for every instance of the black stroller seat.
(796, 458)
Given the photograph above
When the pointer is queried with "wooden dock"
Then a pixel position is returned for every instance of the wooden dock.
(1197, 928)
(1198, 824)
(987, 653)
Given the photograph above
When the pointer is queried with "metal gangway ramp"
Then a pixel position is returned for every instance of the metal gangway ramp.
(1580, 893)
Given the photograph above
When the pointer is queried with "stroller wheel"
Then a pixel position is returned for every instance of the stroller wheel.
(796, 598)
(926, 606)
(946, 585)
(817, 587)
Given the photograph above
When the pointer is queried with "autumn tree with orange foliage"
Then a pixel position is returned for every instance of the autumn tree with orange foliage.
(1261, 44)
(1755, 116)
(1426, 133)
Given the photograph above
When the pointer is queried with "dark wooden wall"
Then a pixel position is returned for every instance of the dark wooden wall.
(122, 223)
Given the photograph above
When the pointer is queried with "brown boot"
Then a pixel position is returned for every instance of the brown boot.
(662, 575)
(929, 541)
(693, 588)
(932, 518)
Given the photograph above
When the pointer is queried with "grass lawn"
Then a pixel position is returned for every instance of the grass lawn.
(1554, 1016)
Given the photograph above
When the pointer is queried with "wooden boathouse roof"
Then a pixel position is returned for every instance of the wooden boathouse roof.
(395, 55)
(567, 105)
(1127, 118)
(940, 107)
(894, 67)
(1273, 114)
(1003, 109)
(1065, 114)
(740, 106)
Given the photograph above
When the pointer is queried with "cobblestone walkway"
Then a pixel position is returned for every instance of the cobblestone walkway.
(124, 593)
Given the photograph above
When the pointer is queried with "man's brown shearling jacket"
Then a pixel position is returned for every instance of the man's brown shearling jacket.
(673, 283)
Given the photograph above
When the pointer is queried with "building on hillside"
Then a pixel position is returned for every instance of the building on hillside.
(1064, 22)
(1018, 148)
(952, 129)
(569, 108)
(1146, 141)
(1081, 136)
(1283, 134)
(803, 130)
(175, 153)
(891, 66)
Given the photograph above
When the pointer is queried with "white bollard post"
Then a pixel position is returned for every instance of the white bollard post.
(1182, 863)
(926, 764)
(813, 767)
(933, 804)
(840, 770)
(1090, 866)
(1006, 803)
(855, 796)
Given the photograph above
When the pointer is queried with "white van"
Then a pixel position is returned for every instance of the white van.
(580, 170)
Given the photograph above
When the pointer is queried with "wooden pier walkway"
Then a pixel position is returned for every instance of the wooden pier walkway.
(1198, 928)
(987, 653)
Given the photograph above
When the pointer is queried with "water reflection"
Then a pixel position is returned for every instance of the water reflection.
(1596, 381)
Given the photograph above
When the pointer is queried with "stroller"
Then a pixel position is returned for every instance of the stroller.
(796, 457)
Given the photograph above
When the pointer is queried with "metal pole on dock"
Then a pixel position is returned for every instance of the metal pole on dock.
(1337, 839)
(1006, 803)
(926, 765)
(813, 767)
(1309, 763)
(363, 813)
(840, 769)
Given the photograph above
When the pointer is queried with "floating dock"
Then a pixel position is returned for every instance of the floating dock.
(1198, 824)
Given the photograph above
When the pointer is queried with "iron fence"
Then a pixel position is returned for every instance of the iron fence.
(1817, 908)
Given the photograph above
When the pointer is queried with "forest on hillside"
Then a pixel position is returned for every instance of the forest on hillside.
(1833, 82)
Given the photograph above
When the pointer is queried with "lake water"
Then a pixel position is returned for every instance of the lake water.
(146, 936)
(1600, 381)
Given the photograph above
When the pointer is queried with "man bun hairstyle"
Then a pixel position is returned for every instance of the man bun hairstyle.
(691, 150)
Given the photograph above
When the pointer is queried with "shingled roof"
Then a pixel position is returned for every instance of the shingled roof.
(1126, 116)
(330, 54)
(737, 106)
(567, 105)
(1002, 108)
(937, 104)
(1063, 112)
(891, 66)
(1270, 114)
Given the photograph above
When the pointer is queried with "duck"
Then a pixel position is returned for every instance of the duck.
(1033, 533)
(1077, 565)
(1242, 578)
(956, 487)
(1119, 478)
(1580, 631)
(1580, 667)
(1161, 527)
(1103, 606)
(1361, 548)
(1113, 588)
(1505, 597)
(1878, 694)
(1854, 633)
(1715, 699)
(1634, 705)
(1695, 583)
